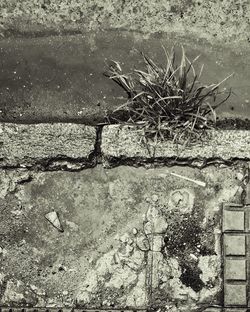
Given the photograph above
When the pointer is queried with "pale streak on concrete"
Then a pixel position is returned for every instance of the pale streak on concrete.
(123, 142)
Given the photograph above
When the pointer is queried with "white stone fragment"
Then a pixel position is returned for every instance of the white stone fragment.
(52, 217)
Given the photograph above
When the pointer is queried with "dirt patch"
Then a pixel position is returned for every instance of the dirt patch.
(187, 239)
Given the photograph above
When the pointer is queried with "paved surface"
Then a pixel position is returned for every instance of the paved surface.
(60, 78)
(112, 238)
(129, 238)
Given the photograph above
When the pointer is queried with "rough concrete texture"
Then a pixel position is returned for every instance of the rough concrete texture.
(131, 237)
(61, 78)
(125, 143)
(47, 145)
(225, 20)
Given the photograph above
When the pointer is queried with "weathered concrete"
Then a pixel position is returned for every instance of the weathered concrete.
(47, 145)
(61, 78)
(128, 239)
(227, 20)
(125, 143)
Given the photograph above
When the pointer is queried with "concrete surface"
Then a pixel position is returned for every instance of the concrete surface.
(79, 227)
(47, 145)
(125, 143)
(226, 20)
(60, 78)
(74, 147)
(132, 238)
(114, 238)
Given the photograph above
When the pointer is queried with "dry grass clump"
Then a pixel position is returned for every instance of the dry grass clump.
(168, 102)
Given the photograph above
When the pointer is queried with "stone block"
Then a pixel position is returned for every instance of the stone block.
(157, 243)
(235, 295)
(235, 269)
(46, 144)
(233, 220)
(125, 142)
(234, 245)
(247, 199)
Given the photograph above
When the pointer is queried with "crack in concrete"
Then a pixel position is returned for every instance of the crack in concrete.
(113, 162)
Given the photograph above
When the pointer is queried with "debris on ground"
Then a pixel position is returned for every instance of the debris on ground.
(53, 218)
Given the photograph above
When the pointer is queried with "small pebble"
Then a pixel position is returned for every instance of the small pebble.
(239, 176)
(148, 228)
(135, 231)
(155, 198)
(143, 243)
(192, 256)
(157, 243)
(116, 258)
(129, 249)
(124, 238)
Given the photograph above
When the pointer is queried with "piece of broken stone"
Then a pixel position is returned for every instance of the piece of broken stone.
(239, 176)
(142, 242)
(156, 222)
(129, 249)
(157, 243)
(147, 228)
(116, 258)
(135, 231)
(154, 198)
(124, 238)
(53, 218)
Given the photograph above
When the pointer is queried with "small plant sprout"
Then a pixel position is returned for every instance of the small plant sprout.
(168, 102)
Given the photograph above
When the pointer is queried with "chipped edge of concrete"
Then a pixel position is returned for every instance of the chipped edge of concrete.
(124, 145)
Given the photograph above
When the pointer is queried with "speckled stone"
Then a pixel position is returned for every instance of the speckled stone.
(124, 142)
(26, 145)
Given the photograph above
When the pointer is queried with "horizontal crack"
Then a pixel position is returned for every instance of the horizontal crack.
(200, 163)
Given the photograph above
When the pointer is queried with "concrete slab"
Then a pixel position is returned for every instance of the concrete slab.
(124, 143)
(60, 78)
(47, 145)
(103, 258)
(235, 245)
(235, 295)
(235, 269)
(233, 220)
